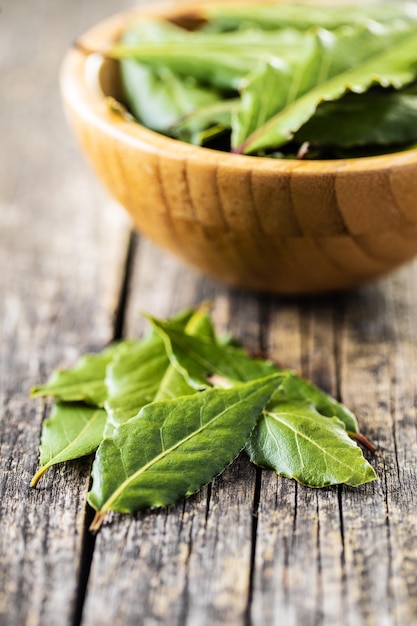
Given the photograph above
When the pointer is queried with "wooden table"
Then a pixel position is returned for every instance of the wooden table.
(252, 548)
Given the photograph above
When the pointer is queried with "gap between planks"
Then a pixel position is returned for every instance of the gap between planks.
(89, 538)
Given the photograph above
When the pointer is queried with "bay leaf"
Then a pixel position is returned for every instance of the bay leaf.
(226, 17)
(296, 441)
(294, 389)
(196, 357)
(84, 382)
(372, 118)
(199, 126)
(157, 96)
(173, 447)
(73, 430)
(133, 379)
(142, 373)
(124, 377)
(219, 60)
(353, 62)
(271, 87)
(282, 75)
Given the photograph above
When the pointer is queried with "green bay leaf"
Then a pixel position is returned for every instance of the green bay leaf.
(269, 17)
(84, 382)
(294, 388)
(197, 357)
(142, 373)
(72, 431)
(133, 379)
(220, 61)
(157, 96)
(296, 441)
(124, 377)
(373, 118)
(372, 64)
(173, 447)
(203, 123)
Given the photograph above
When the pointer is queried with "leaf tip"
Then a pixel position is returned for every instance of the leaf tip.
(38, 475)
(35, 392)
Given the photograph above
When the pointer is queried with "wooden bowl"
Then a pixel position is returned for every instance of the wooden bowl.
(274, 225)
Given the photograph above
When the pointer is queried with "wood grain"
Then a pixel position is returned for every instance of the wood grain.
(62, 249)
(318, 557)
(329, 557)
(194, 561)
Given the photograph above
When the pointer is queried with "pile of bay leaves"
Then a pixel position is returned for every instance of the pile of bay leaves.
(267, 79)
(167, 413)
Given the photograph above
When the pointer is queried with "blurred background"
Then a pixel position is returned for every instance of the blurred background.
(54, 217)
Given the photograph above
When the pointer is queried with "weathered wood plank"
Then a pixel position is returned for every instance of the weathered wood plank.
(190, 564)
(321, 556)
(251, 548)
(62, 249)
(347, 556)
(161, 286)
(380, 341)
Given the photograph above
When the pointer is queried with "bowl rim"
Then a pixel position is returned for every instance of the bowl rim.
(81, 89)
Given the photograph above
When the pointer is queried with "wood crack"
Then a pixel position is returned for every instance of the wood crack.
(319, 590)
(86, 559)
(390, 572)
(255, 512)
(88, 538)
(185, 605)
(120, 313)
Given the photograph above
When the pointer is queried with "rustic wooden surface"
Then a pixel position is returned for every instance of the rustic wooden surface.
(252, 548)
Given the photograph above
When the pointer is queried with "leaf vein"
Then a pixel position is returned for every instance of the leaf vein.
(297, 433)
(161, 456)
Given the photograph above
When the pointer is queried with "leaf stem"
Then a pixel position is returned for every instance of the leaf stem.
(38, 475)
(363, 440)
(97, 521)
